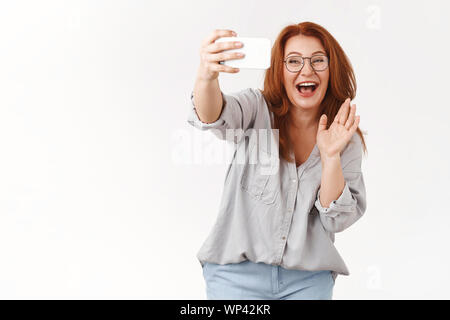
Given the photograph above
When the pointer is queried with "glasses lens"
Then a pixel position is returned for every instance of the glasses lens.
(319, 62)
(294, 63)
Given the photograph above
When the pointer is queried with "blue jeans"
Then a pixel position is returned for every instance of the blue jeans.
(259, 281)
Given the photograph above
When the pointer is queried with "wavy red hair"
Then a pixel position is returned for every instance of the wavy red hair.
(341, 84)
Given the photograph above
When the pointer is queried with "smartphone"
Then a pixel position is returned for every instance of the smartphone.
(257, 53)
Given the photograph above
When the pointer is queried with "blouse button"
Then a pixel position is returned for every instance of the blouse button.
(284, 238)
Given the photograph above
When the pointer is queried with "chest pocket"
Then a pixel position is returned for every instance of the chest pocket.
(260, 178)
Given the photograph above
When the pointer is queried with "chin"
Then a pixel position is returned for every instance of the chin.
(308, 103)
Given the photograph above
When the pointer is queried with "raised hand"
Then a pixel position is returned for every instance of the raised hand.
(333, 140)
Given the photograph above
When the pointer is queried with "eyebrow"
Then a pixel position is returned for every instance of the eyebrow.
(320, 51)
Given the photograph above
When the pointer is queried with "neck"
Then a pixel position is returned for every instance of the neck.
(303, 119)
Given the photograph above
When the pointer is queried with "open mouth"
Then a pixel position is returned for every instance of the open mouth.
(306, 88)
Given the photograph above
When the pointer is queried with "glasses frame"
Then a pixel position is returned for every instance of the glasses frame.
(303, 62)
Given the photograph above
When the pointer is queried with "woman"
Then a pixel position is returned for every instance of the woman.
(274, 235)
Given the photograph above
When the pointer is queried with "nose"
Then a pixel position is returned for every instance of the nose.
(307, 69)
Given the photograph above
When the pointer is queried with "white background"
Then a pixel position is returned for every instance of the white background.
(94, 95)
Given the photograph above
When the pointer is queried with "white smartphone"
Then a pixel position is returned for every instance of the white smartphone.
(256, 50)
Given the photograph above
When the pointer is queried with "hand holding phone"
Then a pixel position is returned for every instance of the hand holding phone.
(211, 53)
(257, 52)
(220, 52)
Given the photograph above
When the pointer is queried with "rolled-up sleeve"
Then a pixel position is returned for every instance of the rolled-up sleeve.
(238, 114)
(351, 204)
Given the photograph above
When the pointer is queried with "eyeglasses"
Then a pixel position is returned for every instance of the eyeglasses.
(295, 63)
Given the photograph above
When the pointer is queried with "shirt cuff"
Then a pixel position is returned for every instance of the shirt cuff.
(345, 203)
(195, 121)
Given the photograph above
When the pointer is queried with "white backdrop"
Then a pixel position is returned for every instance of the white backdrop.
(100, 196)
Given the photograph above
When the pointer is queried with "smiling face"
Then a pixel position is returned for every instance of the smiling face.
(309, 97)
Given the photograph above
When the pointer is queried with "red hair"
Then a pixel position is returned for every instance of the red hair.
(341, 84)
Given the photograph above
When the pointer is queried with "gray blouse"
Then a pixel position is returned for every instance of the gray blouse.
(270, 210)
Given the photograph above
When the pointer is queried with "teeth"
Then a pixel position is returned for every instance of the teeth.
(304, 84)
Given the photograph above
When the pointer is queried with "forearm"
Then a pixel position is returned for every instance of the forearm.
(332, 181)
(207, 99)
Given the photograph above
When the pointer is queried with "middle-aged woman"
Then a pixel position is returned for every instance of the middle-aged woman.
(274, 234)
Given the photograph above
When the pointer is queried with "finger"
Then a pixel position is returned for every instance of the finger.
(216, 34)
(322, 122)
(224, 68)
(225, 56)
(344, 113)
(221, 46)
(351, 117)
(338, 115)
(355, 124)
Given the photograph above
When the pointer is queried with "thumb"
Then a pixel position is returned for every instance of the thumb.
(322, 122)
